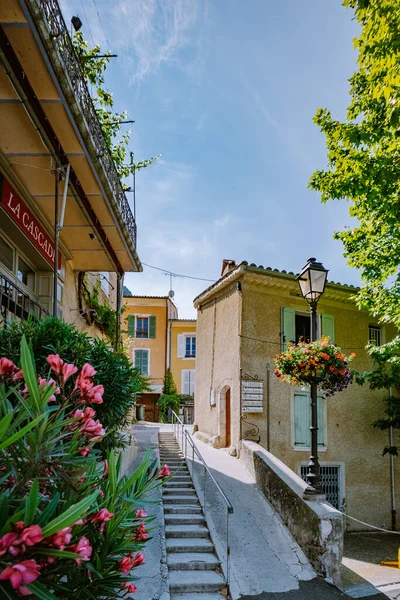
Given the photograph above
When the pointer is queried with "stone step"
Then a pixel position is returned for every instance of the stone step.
(171, 499)
(195, 581)
(184, 519)
(181, 478)
(170, 492)
(189, 545)
(179, 509)
(172, 483)
(186, 531)
(198, 596)
(191, 561)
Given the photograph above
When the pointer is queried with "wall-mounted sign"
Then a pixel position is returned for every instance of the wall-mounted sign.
(252, 396)
(27, 222)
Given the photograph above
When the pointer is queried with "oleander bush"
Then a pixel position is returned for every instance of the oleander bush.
(70, 526)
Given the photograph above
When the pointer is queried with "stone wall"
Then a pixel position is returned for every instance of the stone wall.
(316, 525)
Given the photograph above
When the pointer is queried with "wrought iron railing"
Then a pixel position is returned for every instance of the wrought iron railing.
(57, 29)
(14, 302)
(188, 448)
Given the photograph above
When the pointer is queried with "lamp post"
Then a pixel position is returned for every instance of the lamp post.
(312, 280)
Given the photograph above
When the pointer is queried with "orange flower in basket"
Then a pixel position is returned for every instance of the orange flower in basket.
(325, 356)
(332, 369)
(342, 372)
(312, 361)
(353, 355)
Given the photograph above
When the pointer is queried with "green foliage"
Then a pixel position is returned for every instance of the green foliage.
(83, 526)
(167, 401)
(117, 137)
(169, 386)
(104, 316)
(364, 158)
(120, 379)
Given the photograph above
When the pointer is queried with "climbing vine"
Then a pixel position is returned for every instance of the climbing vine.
(99, 314)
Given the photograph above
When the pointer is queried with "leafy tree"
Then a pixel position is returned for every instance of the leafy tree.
(169, 386)
(364, 158)
(117, 139)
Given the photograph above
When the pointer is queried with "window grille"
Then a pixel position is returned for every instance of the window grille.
(375, 335)
(330, 483)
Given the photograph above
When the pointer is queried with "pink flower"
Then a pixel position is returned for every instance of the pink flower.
(105, 470)
(165, 472)
(130, 587)
(141, 513)
(87, 371)
(10, 543)
(56, 363)
(68, 370)
(140, 534)
(84, 451)
(88, 413)
(62, 538)
(21, 573)
(46, 383)
(138, 560)
(95, 395)
(83, 548)
(102, 516)
(93, 428)
(7, 367)
(125, 564)
(32, 535)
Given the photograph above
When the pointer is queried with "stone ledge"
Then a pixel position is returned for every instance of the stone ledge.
(316, 525)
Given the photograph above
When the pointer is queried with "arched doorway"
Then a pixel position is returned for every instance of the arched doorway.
(228, 417)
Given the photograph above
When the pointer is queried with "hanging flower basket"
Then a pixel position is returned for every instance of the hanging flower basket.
(319, 362)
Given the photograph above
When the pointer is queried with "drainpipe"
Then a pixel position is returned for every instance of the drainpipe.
(392, 478)
(169, 325)
(56, 239)
(268, 409)
(117, 342)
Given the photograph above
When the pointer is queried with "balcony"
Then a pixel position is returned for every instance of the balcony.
(14, 302)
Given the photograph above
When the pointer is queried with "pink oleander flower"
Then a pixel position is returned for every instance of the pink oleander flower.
(83, 548)
(61, 539)
(141, 513)
(95, 395)
(125, 564)
(68, 370)
(7, 367)
(84, 451)
(130, 587)
(93, 429)
(10, 543)
(18, 526)
(102, 516)
(20, 574)
(140, 534)
(85, 386)
(165, 472)
(87, 371)
(32, 535)
(88, 413)
(45, 383)
(56, 363)
(138, 560)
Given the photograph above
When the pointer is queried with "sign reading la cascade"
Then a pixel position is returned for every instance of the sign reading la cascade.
(29, 225)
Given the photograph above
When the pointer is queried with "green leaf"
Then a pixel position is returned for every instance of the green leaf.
(112, 473)
(40, 591)
(29, 370)
(31, 503)
(49, 510)
(4, 424)
(58, 553)
(68, 517)
(19, 434)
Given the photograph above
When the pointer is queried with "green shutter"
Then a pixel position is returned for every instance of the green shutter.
(302, 415)
(320, 415)
(145, 362)
(328, 327)
(152, 327)
(288, 326)
(131, 326)
(138, 359)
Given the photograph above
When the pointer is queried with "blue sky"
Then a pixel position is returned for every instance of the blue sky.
(226, 92)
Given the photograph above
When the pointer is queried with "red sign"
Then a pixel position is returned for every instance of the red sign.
(20, 213)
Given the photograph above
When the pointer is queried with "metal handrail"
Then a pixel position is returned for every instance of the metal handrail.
(176, 423)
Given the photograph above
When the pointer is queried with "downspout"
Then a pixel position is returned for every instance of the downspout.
(169, 326)
(56, 240)
(268, 408)
(392, 475)
(117, 342)
(166, 337)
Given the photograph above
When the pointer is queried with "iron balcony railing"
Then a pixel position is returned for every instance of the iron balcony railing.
(58, 32)
(14, 302)
(188, 447)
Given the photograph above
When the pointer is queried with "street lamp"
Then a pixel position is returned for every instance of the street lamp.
(312, 282)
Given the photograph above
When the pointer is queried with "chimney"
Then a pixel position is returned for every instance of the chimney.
(227, 265)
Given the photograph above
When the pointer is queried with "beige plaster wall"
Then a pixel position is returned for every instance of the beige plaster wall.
(217, 363)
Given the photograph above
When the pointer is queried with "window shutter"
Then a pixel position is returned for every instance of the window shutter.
(302, 416)
(152, 327)
(328, 327)
(181, 345)
(137, 356)
(185, 382)
(321, 428)
(45, 281)
(145, 362)
(192, 382)
(288, 326)
(131, 326)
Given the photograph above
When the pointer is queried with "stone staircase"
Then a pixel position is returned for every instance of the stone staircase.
(193, 566)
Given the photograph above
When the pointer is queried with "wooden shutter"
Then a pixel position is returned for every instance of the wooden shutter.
(181, 346)
(328, 327)
(302, 417)
(131, 327)
(152, 327)
(288, 326)
(185, 382)
(145, 362)
(45, 290)
(138, 359)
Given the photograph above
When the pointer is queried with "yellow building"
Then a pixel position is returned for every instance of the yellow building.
(244, 319)
(156, 340)
(58, 181)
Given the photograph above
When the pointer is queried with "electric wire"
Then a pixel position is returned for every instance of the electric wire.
(177, 274)
(87, 23)
(101, 25)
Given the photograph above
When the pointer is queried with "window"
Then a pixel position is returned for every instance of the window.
(6, 254)
(302, 328)
(142, 361)
(330, 483)
(296, 325)
(141, 326)
(188, 381)
(26, 274)
(190, 346)
(374, 335)
(302, 420)
(105, 282)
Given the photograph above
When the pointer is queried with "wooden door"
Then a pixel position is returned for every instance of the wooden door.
(228, 416)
